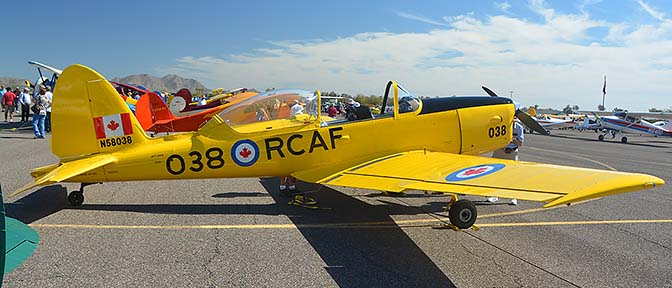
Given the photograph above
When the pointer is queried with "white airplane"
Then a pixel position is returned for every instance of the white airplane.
(588, 122)
(634, 123)
(549, 122)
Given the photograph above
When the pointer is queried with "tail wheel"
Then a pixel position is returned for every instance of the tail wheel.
(624, 139)
(462, 214)
(600, 137)
(76, 198)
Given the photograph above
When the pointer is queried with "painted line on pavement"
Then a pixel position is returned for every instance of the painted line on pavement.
(340, 225)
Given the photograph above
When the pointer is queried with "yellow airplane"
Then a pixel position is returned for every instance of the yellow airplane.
(424, 144)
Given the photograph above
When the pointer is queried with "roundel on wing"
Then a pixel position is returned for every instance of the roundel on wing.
(245, 153)
(474, 172)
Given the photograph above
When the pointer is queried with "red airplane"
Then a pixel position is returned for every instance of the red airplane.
(155, 116)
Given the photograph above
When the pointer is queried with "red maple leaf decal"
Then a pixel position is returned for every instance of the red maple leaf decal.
(475, 171)
(113, 125)
(245, 152)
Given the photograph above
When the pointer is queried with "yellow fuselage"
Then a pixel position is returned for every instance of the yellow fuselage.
(207, 153)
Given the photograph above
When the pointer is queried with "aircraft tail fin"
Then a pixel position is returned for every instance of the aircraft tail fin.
(151, 109)
(88, 116)
(532, 111)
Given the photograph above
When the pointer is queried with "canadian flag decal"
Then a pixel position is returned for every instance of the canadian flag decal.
(113, 125)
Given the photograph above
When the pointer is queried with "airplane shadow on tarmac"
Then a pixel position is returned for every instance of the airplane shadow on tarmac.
(356, 254)
(39, 204)
(364, 256)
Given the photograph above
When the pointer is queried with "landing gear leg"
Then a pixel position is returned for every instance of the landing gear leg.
(76, 198)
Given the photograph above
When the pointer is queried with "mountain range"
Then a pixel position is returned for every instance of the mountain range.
(171, 83)
(12, 82)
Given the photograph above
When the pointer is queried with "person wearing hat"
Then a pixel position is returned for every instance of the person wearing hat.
(296, 109)
(25, 101)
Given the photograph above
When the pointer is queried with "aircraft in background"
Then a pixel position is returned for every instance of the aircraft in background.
(43, 79)
(551, 121)
(427, 144)
(633, 123)
(155, 116)
(588, 122)
(182, 101)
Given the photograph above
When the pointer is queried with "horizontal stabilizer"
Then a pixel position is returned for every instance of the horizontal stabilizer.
(67, 170)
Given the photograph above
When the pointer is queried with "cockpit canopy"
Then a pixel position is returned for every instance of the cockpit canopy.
(291, 105)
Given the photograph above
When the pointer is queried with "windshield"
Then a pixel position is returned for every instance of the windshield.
(407, 101)
(299, 105)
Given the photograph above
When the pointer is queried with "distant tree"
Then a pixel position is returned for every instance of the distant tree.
(654, 109)
(575, 108)
(567, 110)
(616, 109)
(371, 100)
(600, 107)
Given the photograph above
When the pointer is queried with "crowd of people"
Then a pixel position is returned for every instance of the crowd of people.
(22, 101)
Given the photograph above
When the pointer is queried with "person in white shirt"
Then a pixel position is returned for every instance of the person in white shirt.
(24, 100)
(47, 121)
(510, 152)
(296, 109)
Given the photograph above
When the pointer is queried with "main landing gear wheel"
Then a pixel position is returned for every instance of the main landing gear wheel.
(624, 139)
(462, 214)
(600, 137)
(76, 198)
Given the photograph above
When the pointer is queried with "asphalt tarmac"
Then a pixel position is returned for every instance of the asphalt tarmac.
(240, 233)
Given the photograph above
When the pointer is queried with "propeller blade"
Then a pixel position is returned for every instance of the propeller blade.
(530, 122)
(487, 90)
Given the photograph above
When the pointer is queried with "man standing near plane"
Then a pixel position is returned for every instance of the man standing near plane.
(510, 152)
(24, 99)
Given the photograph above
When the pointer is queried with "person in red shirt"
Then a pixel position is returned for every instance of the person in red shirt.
(8, 101)
(332, 111)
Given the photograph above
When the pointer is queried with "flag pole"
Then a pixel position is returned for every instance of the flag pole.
(604, 90)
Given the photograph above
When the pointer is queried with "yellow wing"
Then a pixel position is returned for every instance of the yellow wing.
(463, 174)
(64, 171)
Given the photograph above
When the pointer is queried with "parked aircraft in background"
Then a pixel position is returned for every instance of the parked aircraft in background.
(632, 123)
(551, 121)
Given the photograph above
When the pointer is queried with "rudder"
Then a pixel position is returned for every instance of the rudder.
(88, 116)
(151, 109)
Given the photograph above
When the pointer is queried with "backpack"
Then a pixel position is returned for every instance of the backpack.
(40, 105)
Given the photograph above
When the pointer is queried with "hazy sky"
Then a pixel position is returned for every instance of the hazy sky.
(550, 53)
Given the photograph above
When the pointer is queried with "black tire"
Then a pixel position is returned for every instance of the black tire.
(76, 198)
(600, 137)
(462, 214)
(624, 139)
